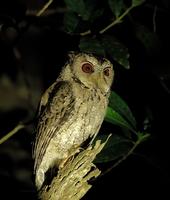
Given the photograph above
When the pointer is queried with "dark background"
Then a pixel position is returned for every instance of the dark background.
(32, 52)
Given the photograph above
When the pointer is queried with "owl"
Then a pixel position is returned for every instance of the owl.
(71, 111)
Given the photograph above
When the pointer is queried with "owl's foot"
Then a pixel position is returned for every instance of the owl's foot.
(71, 154)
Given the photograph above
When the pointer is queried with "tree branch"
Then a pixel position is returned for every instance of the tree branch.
(71, 181)
(11, 133)
(117, 21)
(140, 139)
(44, 8)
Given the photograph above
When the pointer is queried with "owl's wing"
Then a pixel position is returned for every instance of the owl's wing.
(57, 110)
(45, 98)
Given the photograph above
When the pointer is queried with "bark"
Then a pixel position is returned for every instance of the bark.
(71, 181)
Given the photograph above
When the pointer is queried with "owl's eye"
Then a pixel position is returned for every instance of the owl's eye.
(87, 68)
(106, 71)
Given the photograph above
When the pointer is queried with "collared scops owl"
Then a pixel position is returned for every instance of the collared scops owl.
(71, 111)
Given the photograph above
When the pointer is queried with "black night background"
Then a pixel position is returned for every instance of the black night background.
(32, 51)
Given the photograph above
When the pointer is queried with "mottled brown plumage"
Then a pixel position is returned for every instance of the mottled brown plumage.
(71, 111)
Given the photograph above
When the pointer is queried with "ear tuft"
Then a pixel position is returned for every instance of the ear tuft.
(71, 55)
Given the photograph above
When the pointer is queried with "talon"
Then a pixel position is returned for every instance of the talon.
(70, 157)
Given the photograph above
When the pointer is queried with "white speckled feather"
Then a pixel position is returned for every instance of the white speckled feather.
(71, 111)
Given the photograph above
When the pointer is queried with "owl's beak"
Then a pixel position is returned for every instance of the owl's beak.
(100, 82)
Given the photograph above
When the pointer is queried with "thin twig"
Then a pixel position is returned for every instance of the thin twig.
(123, 158)
(50, 11)
(85, 33)
(11, 133)
(164, 85)
(140, 139)
(117, 21)
(44, 8)
(154, 19)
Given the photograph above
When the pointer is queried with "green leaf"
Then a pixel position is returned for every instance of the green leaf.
(116, 6)
(115, 118)
(115, 148)
(77, 6)
(120, 106)
(91, 45)
(71, 22)
(149, 39)
(90, 8)
(96, 14)
(137, 2)
(142, 136)
(116, 50)
(85, 9)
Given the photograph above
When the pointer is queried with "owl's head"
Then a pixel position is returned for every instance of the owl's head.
(91, 71)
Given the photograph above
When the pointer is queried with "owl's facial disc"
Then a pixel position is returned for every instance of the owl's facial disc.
(97, 77)
(104, 79)
(93, 73)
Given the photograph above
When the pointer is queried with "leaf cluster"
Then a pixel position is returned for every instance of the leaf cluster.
(84, 16)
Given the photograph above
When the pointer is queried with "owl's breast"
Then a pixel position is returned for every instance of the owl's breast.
(84, 121)
(89, 111)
